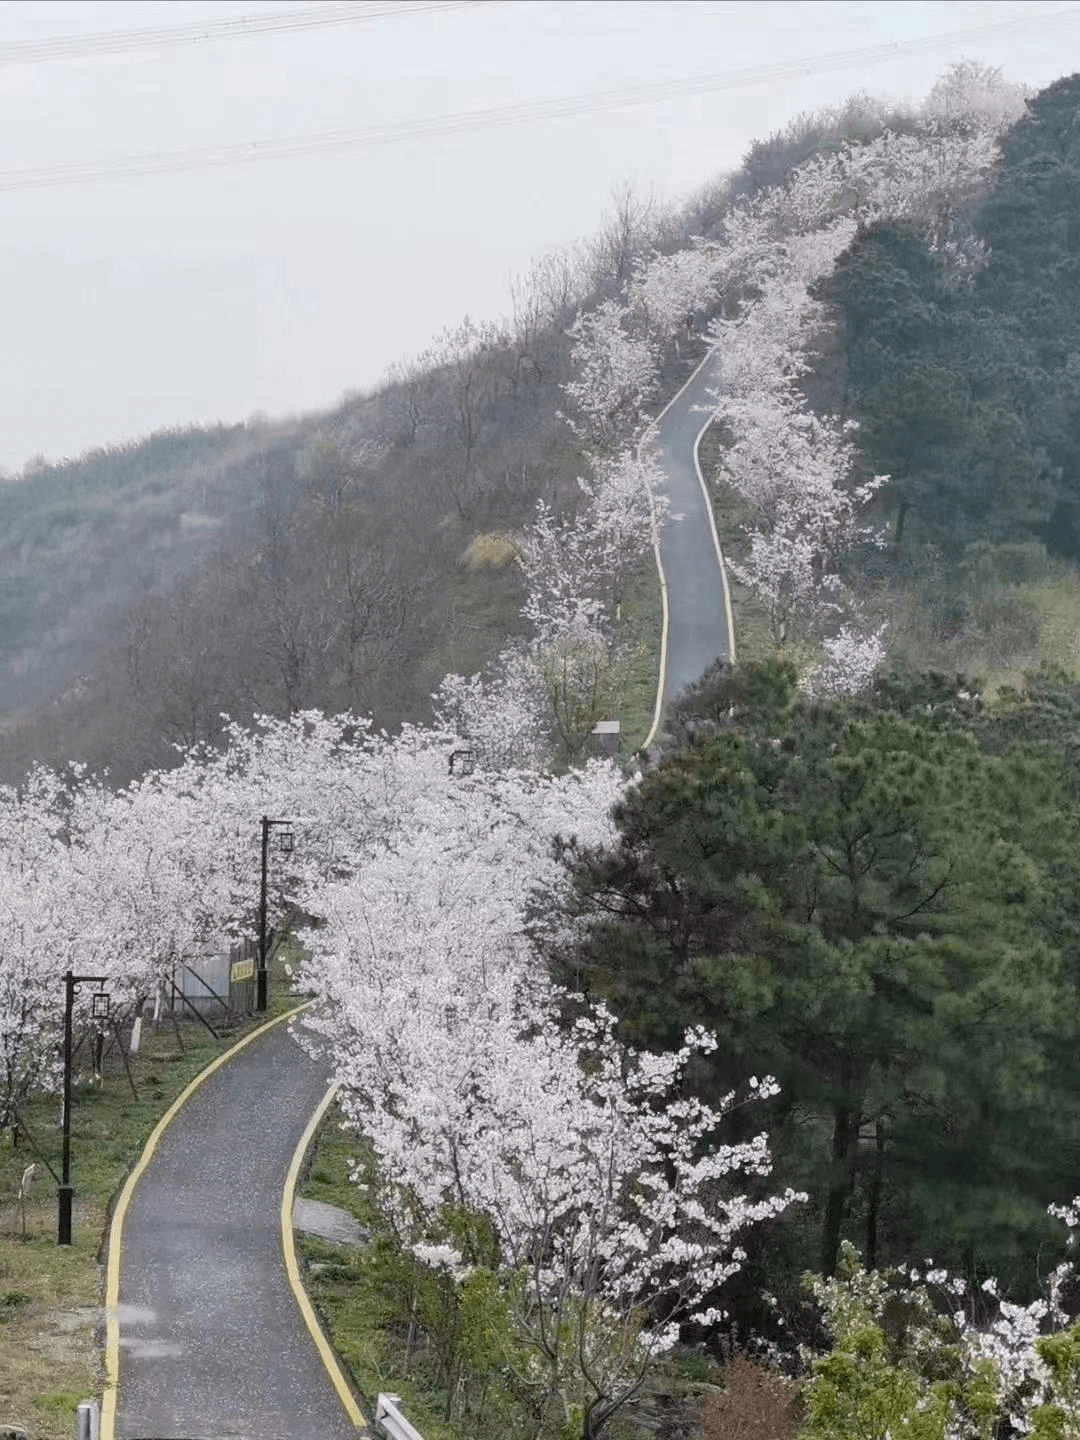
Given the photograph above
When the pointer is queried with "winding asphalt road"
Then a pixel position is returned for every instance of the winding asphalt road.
(698, 607)
(212, 1342)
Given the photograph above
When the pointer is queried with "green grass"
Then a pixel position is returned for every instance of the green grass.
(640, 631)
(359, 1319)
(343, 1292)
(1014, 627)
(1056, 602)
(51, 1328)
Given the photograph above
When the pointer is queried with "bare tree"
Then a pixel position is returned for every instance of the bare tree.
(544, 303)
(462, 357)
(631, 228)
(330, 469)
(408, 399)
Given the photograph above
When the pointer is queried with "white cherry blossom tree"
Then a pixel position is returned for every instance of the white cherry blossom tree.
(667, 290)
(853, 657)
(970, 97)
(616, 373)
(605, 1190)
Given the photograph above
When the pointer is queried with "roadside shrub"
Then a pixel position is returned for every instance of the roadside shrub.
(756, 1404)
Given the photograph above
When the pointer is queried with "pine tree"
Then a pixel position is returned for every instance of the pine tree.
(867, 903)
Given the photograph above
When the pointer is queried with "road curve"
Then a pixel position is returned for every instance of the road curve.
(212, 1342)
(699, 607)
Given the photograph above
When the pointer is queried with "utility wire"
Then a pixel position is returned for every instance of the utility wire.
(123, 42)
(590, 103)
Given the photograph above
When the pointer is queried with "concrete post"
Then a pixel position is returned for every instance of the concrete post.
(89, 1421)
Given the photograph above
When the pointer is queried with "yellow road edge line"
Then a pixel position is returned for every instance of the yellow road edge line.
(663, 643)
(116, 1227)
(716, 542)
(664, 621)
(292, 1268)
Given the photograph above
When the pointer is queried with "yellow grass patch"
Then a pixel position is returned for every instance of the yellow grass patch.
(1056, 601)
(489, 551)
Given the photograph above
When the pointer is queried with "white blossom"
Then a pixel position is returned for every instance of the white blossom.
(616, 372)
(852, 660)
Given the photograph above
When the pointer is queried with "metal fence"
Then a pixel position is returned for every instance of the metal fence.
(217, 985)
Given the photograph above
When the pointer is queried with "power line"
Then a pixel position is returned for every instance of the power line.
(122, 42)
(589, 103)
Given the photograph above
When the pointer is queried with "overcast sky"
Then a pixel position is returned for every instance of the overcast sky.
(131, 304)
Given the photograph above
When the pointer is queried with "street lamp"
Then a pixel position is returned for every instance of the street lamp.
(286, 842)
(99, 1009)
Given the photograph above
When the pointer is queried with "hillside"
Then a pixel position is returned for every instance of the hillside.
(336, 561)
(660, 1066)
(80, 538)
(350, 560)
(968, 397)
(894, 467)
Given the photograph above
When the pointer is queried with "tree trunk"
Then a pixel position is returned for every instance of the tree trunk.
(873, 1208)
(901, 516)
(845, 1139)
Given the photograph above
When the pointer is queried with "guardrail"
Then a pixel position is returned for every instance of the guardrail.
(392, 1421)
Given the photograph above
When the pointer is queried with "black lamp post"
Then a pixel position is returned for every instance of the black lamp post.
(100, 1011)
(285, 845)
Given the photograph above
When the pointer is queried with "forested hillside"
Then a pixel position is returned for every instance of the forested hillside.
(968, 395)
(968, 398)
(346, 559)
(625, 1048)
(336, 561)
(911, 475)
(79, 538)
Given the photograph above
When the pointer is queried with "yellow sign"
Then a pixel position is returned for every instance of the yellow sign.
(241, 970)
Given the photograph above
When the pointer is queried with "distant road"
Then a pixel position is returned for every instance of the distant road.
(699, 608)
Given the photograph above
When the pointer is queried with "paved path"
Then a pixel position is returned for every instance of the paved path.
(212, 1343)
(697, 616)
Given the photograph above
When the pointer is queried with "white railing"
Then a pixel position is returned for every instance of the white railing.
(392, 1421)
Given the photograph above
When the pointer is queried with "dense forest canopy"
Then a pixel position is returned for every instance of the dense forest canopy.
(968, 397)
(874, 901)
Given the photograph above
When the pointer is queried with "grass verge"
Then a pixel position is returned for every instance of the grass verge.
(1056, 603)
(753, 636)
(640, 631)
(365, 1328)
(348, 1301)
(50, 1295)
